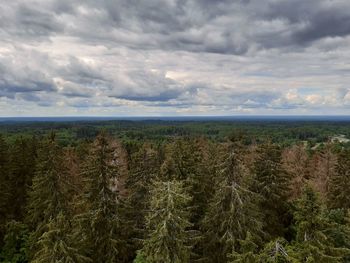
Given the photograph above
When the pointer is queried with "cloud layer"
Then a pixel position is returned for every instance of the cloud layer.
(174, 57)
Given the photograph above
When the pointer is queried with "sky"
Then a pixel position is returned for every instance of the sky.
(174, 57)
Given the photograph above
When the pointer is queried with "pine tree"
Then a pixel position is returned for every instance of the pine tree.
(169, 238)
(339, 189)
(232, 213)
(100, 222)
(272, 183)
(57, 244)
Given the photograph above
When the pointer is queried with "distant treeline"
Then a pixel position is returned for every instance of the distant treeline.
(281, 132)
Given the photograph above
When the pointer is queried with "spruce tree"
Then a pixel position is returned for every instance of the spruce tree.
(22, 169)
(277, 251)
(47, 197)
(338, 227)
(169, 238)
(272, 183)
(100, 222)
(15, 249)
(295, 161)
(323, 169)
(5, 190)
(312, 243)
(247, 253)
(57, 244)
(144, 168)
(339, 189)
(232, 212)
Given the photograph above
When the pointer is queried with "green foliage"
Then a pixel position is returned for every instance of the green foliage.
(339, 190)
(47, 197)
(169, 240)
(247, 251)
(276, 252)
(173, 192)
(99, 222)
(47, 194)
(22, 169)
(5, 190)
(272, 183)
(57, 244)
(312, 243)
(232, 212)
(15, 243)
(338, 227)
(140, 258)
(143, 168)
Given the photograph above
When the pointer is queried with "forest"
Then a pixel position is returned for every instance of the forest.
(174, 192)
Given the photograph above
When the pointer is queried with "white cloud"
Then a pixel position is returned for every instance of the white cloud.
(174, 57)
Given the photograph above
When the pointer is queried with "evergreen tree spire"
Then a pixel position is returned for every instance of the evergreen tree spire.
(233, 211)
(47, 195)
(58, 245)
(339, 190)
(313, 245)
(5, 190)
(100, 220)
(169, 240)
(272, 183)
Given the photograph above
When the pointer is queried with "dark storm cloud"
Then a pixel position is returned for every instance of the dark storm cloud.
(227, 27)
(196, 26)
(318, 19)
(18, 78)
(27, 21)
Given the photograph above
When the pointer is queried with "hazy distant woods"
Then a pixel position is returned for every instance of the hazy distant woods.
(175, 201)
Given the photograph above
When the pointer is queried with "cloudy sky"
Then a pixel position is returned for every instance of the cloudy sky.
(174, 57)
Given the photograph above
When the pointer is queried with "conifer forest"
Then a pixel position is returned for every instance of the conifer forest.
(174, 192)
